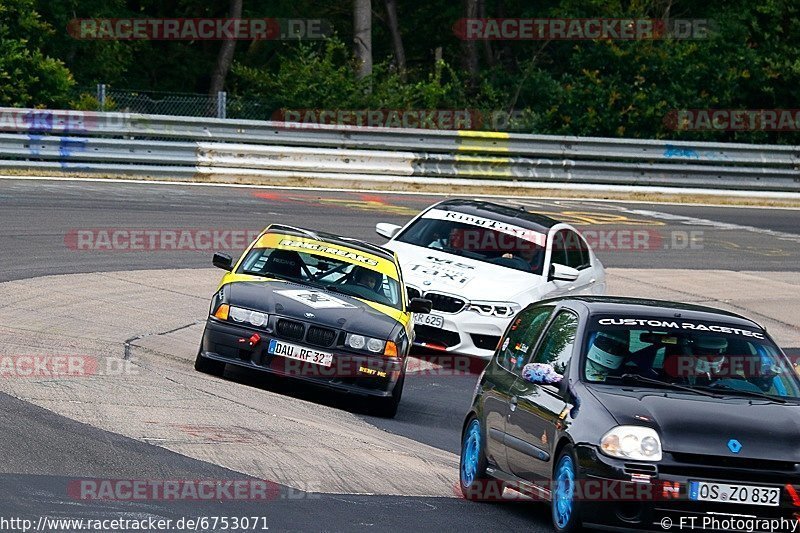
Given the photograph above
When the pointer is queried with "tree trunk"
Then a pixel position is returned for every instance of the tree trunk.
(362, 37)
(397, 38)
(470, 59)
(488, 52)
(225, 56)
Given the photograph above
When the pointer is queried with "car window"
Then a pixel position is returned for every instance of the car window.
(325, 272)
(573, 250)
(688, 353)
(586, 258)
(559, 253)
(557, 344)
(479, 239)
(521, 338)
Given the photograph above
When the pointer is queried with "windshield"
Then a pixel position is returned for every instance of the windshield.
(322, 268)
(699, 355)
(478, 238)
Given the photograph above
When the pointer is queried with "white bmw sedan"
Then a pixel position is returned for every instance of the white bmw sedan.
(480, 263)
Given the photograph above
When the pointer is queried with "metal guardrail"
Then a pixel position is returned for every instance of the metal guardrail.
(181, 147)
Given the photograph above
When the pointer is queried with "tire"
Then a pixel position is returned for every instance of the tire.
(475, 483)
(387, 407)
(209, 366)
(565, 508)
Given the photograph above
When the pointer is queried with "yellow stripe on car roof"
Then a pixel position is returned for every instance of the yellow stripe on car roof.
(353, 256)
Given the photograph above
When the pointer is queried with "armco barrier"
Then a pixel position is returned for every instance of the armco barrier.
(44, 141)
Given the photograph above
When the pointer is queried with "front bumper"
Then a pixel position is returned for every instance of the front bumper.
(349, 373)
(659, 501)
(467, 333)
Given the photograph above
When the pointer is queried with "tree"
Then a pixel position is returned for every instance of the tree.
(362, 37)
(226, 51)
(28, 77)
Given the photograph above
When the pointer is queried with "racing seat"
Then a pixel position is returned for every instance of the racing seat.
(284, 263)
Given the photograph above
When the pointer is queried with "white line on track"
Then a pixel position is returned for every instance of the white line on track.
(695, 221)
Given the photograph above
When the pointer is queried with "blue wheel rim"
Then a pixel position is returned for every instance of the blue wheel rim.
(470, 453)
(563, 497)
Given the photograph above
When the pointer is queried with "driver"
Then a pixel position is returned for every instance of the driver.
(442, 240)
(369, 279)
(606, 354)
(529, 254)
(709, 358)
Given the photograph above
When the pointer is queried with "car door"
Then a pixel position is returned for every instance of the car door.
(536, 410)
(500, 375)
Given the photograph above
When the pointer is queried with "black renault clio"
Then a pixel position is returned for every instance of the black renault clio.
(638, 414)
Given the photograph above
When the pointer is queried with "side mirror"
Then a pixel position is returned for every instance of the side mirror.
(420, 305)
(384, 229)
(560, 272)
(223, 261)
(541, 374)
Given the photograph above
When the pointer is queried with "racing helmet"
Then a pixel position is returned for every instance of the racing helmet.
(607, 352)
(708, 354)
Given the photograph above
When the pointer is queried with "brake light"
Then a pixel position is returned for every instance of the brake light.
(222, 312)
(390, 350)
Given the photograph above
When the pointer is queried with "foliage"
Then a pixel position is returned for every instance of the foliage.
(28, 77)
(605, 88)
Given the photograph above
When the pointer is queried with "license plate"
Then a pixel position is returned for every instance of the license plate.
(300, 353)
(433, 321)
(705, 491)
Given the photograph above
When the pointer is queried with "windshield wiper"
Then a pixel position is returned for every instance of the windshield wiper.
(658, 383)
(727, 389)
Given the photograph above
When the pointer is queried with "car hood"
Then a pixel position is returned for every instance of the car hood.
(329, 309)
(434, 270)
(689, 423)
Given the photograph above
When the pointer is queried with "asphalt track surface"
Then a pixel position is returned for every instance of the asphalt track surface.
(42, 451)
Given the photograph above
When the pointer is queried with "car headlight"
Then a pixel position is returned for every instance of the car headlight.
(632, 442)
(498, 309)
(360, 342)
(254, 318)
